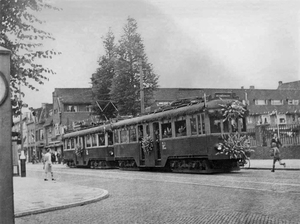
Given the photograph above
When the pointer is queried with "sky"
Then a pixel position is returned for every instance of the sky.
(191, 43)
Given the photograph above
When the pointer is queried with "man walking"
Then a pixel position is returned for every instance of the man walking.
(276, 156)
(48, 165)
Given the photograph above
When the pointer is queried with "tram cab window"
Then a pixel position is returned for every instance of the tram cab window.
(180, 127)
(124, 136)
(101, 139)
(110, 138)
(88, 141)
(116, 136)
(201, 124)
(193, 123)
(132, 134)
(167, 130)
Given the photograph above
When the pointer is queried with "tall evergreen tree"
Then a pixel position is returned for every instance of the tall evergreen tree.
(102, 79)
(125, 89)
(19, 33)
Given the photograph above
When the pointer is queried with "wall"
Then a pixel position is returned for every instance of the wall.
(287, 152)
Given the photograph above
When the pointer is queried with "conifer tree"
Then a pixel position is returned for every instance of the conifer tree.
(125, 89)
(102, 79)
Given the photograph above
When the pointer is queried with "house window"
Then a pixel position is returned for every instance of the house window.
(276, 102)
(265, 119)
(88, 108)
(293, 102)
(261, 102)
(281, 118)
(72, 108)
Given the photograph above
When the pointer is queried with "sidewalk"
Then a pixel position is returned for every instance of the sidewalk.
(32, 196)
(291, 164)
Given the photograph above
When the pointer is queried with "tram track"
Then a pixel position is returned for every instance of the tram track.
(199, 180)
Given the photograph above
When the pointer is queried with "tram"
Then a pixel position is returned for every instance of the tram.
(183, 137)
(91, 148)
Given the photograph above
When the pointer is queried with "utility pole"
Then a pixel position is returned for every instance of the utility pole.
(142, 87)
(6, 165)
(22, 157)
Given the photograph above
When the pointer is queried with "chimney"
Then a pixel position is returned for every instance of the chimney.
(252, 87)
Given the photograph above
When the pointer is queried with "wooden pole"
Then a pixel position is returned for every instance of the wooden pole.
(142, 87)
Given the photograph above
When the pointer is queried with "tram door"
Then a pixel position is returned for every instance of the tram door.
(150, 155)
(81, 143)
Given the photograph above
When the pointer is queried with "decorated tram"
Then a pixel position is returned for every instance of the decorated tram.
(193, 136)
(91, 147)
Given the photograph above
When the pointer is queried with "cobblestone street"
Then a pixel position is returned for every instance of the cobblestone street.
(247, 196)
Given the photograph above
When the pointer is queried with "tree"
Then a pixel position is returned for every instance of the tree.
(20, 34)
(125, 89)
(102, 79)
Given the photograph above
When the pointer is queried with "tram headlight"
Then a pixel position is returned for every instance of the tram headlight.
(219, 146)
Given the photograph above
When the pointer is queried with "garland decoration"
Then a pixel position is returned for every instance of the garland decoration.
(237, 146)
(78, 150)
(233, 110)
(147, 144)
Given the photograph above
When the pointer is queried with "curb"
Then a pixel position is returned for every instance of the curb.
(269, 168)
(70, 205)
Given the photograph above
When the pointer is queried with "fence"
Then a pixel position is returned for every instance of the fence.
(261, 135)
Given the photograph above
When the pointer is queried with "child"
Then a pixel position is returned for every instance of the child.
(276, 156)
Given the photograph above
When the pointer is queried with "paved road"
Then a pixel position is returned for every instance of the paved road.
(247, 196)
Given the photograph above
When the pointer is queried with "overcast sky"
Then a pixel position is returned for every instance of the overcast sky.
(191, 43)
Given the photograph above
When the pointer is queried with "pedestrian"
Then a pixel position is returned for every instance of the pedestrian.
(276, 156)
(48, 165)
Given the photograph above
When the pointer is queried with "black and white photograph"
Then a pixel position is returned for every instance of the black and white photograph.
(150, 112)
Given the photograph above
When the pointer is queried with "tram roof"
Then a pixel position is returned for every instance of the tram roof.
(101, 128)
(173, 113)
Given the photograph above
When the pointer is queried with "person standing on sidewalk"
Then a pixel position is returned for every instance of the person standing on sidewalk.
(276, 156)
(48, 165)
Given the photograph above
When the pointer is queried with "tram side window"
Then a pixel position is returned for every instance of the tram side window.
(201, 124)
(88, 141)
(215, 125)
(72, 143)
(180, 127)
(110, 138)
(167, 130)
(226, 126)
(94, 140)
(124, 136)
(193, 125)
(132, 134)
(116, 136)
(68, 143)
(101, 139)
